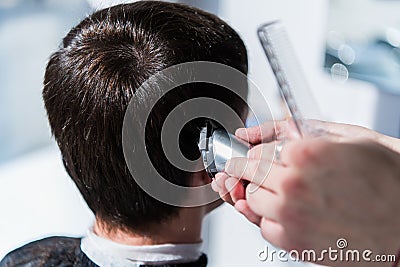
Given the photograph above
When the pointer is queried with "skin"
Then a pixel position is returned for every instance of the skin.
(307, 201)
(181, 229)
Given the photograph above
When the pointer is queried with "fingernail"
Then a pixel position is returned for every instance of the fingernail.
(240, 132)
(251, 188)
(230, 184)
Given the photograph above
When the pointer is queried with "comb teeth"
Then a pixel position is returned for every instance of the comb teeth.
(288, 73)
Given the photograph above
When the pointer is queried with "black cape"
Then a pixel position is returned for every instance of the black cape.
(64, 252)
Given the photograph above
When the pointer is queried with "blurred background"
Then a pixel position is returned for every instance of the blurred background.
(348, 50)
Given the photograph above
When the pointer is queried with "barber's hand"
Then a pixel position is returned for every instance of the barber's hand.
(337, 132)
(286, 130)
(230, 189)
(322, 191)
(233, 192)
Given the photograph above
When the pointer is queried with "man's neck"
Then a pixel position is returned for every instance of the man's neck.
(184, 228)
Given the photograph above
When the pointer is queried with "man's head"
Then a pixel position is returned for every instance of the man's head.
(91, 79)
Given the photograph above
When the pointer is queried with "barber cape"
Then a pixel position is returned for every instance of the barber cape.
(94, 251)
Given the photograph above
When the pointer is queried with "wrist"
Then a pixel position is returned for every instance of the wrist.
(389, 142)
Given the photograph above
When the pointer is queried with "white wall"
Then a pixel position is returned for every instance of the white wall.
(305, 22)
(373, 19)
(29, 32)
(38, 199)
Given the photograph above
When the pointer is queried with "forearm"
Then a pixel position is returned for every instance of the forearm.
(348, 133)
(390, 142)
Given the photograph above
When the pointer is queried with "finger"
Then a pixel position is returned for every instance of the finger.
(222, 190)
(272, 232)
(262, 151)
(264, 203)
(256, 171)
(244, 209)
(236, 189)
(271, 152)
(269, 131)
(226, 198)
(252, 170)
(273, 182)
(220, 179)
(214, 186)
(258, 134)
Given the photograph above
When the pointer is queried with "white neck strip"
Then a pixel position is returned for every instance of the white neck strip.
(107, 253)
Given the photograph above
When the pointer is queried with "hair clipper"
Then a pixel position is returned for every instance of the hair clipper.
(217, 146)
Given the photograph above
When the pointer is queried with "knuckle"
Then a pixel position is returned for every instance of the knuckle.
(251, 200)
(268, 150)
(257, 133)
(318, 150)
(307, 154)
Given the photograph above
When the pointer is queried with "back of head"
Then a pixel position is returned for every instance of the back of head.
(91, 79)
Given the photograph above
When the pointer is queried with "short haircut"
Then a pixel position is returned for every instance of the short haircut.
(91, 79)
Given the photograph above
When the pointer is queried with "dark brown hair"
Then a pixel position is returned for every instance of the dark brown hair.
(90, 80)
